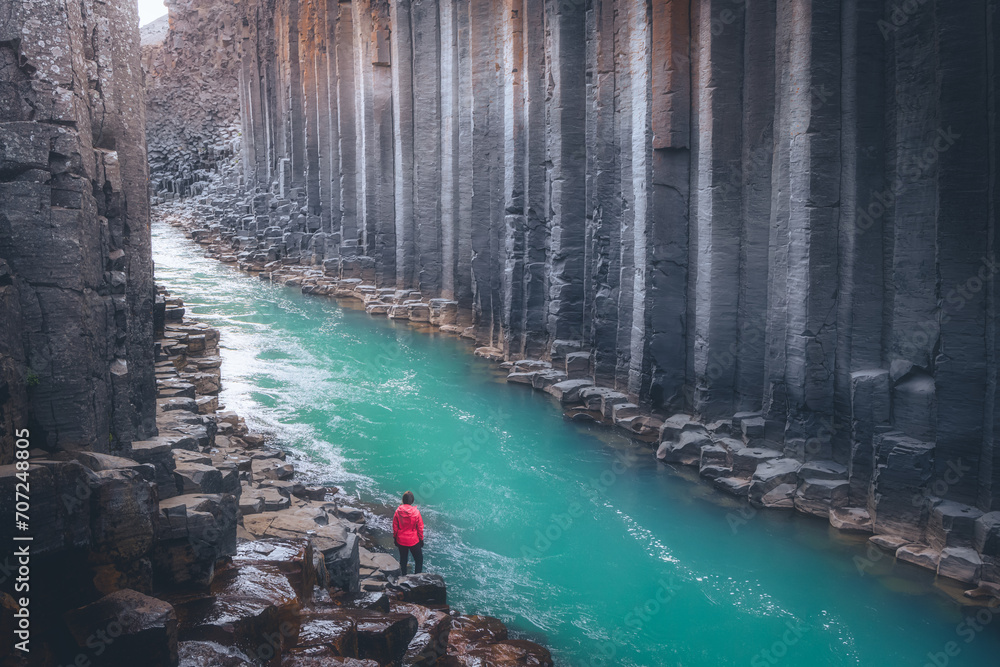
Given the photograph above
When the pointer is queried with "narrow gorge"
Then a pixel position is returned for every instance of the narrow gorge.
(676, 304)
(775, 219)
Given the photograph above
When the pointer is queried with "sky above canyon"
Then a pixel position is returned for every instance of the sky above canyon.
(150, 10)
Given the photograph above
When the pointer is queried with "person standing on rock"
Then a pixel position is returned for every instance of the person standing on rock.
(408, 533)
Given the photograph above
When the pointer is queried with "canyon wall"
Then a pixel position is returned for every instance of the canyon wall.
(782, 210)
(188, 137)
(76, 281)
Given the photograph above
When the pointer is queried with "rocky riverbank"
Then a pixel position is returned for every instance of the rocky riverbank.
(892, 501)
(200, 547)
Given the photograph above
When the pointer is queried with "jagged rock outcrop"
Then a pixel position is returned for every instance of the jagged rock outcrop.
(191, 54)
(76, 338)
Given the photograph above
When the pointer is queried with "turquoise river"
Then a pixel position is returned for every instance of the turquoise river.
(575, 537)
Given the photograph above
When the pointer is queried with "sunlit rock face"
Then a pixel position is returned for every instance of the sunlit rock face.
(76, 343)
(783, 208)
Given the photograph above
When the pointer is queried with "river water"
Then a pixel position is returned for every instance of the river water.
(574, 536)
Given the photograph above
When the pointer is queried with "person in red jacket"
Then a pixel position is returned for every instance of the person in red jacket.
(408, 532)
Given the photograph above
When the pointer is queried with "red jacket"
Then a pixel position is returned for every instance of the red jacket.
(407, 526)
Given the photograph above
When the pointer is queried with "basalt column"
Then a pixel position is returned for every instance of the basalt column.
(667, 244)
(716, 225)
(960, 368)
(566, 160)
(75, 269)
(780, 210)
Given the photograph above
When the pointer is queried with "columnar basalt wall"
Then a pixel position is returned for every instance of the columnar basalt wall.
(76, 339)
(784, 210)
(193, 110)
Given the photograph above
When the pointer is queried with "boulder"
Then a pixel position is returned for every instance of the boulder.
(951, 524)
(528, 365)
(489, 353)
(735, 486)
(960, 563)
(903, 468)
(352, 514)
(287, 488)
(373, 584)
(890, 543)
(577, 363)
(271, 468)
(375, 601)
(818, 496)
(431, 641)
(382, 637)
(197, 478)
(822, 470)
(714, 462)
(752, 428)
(780, 497)
(188, 456)
(340, 547)
(158, 452)
(622, 411)
(195, 531)
(686, 450)
(521, 377)
(509, 653)
(424, 588)
(174, 388)
(601, 399)
(851, 519)
(546, 378)
(467, 632)
(131, 629)
(328, 630)
(986, 534)
(770, 475)
(919, 555)
(180, 403)
(747, 459)
(568, 391)
(98, 462)
(381, 562)
(123, 516)
(201, 654)
(272, 499)
(292, 557)
(251, 607)
(675, 424)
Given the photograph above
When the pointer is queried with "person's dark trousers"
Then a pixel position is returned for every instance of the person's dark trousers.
(418, 557)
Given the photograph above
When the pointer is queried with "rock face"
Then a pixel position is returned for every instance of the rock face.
(775, 208)
(76, 284)
(186, 141)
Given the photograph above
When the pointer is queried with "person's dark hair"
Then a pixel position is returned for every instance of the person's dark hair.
(408, 498)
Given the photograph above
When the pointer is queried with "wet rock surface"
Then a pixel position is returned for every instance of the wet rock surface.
(278, 585)
(76, 273)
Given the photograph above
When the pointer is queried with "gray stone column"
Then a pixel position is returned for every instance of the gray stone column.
(670, 122)
(402, 96)
(755, 191)
(963, 237)
(717, 223)
(814, 192)
(565, 52)
(347, 130)
(862, 217)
